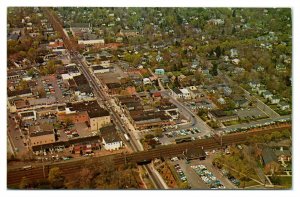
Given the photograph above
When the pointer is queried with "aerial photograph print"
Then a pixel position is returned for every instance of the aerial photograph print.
(149, 98)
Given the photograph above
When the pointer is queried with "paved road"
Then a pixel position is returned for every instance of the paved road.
(14, 135)
(195, 121)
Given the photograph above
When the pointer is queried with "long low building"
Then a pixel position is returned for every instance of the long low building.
(143, 120)
(41, 134)
(91, 42)
(222, 116)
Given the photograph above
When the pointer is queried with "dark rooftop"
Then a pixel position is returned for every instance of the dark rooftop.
(109, 134)
(18, 92)
(92, 108)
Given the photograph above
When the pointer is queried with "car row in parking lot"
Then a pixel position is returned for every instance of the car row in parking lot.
(258, 125)
(183, 132)
(180, 173)
(208, 177)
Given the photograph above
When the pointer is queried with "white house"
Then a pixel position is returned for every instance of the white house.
(221, 101)
(233, 53)
(110, 138)
(146, 81)
(275, 99)
(283, 105)
(185, 94)
(235, 61)
(267, 94)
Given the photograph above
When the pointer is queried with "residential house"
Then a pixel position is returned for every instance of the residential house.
(275, 99)
(160, 71)
(283, 105)
(221, 101)
(283, 154)
(267, 94)
(280, 67)
(233, 53)
(269, 160)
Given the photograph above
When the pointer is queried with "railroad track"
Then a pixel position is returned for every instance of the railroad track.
(15, 176)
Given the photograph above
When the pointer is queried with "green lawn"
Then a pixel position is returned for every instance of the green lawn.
(285, 181)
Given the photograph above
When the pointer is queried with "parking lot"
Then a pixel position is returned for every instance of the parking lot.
(193, 179)
(112, 77)
(250, 113)
(201, 174)
(52, 87)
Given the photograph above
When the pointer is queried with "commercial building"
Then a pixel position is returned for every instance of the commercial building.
(98, 117)
(41, 134)
(222, 116)
(110, 138)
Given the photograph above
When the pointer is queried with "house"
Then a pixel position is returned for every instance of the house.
(283, 155)
(254, 84)
(227, 91)
(222, 116)
(204, 104)
(156, 96)
(146, 81)
(216, 21)
(241, 102)
(71, 71)
(221, 101)
(233, 53)
(235, 61)
(41, 134)
(267, 94)
(283, 105)
(185, 94)
(258, 68)
(110, 138)
(280, 67)
(81, 87)
(275, 99)
(160, 71)
(269, 160)
(261, 91)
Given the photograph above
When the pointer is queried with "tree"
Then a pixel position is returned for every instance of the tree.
(218, 51)
(56, 178)
(214, 70)
(25, 183)
(158, 132)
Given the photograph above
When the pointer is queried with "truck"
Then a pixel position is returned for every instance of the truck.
(126, 137)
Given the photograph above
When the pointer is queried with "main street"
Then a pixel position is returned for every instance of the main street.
(103, 98)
